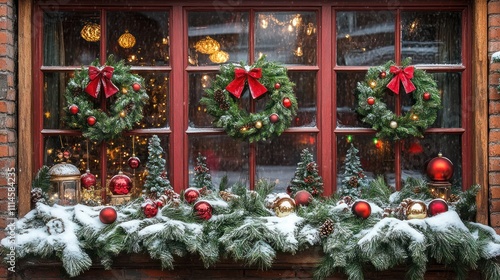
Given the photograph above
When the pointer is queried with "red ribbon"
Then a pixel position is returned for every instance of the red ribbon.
(100, 77)
(404, 75)
(238, 84)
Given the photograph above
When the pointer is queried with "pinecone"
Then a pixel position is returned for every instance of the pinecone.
(309, 179)
(129, 107)
(353, 182)
(204, 191)
(219, 96)
(227, 196)
(326, 228)
(37, 195)
(224, 106)
(311, 166)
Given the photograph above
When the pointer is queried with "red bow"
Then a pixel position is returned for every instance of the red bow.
(101, 76)
(404, 75)
(240, 75)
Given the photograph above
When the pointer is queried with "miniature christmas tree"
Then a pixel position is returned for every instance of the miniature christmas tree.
(156, 182)
(306, 176)
(353, 180)
(202, 177)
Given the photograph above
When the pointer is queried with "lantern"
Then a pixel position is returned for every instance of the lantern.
(207, 46)
(126, 40)
(219, 57)
(440, 171)
(64, 184)
(91, 32)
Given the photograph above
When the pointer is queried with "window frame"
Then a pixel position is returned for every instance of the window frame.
(475, 54)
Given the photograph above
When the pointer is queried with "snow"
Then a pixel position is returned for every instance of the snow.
(88, 217)
(389, 226)
(442, 222)
(131, 226)
(495, 57)
(286, 226)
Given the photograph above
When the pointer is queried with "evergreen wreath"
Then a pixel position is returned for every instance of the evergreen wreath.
(222, 98)
(378, 81)
(125, 95)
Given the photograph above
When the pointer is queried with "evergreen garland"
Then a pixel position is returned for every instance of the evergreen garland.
(156, 182)
(124, 107)
(371, 106)
(238, 123)
(306, 176)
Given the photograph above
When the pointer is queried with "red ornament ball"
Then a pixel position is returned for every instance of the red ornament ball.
(274, 118)
(66, 154)
(136, 86)
(203, 210)
(120, 184)
(287, 102)
(426, 96)
(361, 209)
(88, 180)
(150, 209)
(73, 109)
(437, 206)
(370, 100)
(108, 215)
(440, 169)
(134, 162)
(382, 75)
(303, 198)
(277, 86)
(191, 195)
(91, 120)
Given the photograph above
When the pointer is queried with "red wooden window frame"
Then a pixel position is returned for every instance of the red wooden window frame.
(326, 69)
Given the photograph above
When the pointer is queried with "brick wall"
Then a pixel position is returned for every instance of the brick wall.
(8, 116)
(494, 114)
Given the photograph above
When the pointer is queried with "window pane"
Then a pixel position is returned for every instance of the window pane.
(432, 37)
(225, 157)
(156, 111)
(306, 93)
(277, 160)
(140, 38)
(365, 38)
(216, 37)
(418, 152)
(54, 100)
(63, 43)
(450, 85)
(120, 150)
(198, 83)
(376, 156)
(286, 37)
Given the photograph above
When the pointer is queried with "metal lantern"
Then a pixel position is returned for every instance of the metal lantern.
(219, 57)
(64, 184)
(91, 32)
(207, 46)
(126, 40)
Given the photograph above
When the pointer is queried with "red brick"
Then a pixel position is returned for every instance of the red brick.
(494, 67)
(8, 107)
(494, 178)
(493, 21)
(9, 121)
(7, 163)
(494, 34)
(494, 121)
(493, 46)
(492, 80)
(493, 8)
(494, 108)
(4, 150)
(6, 64)
(6, 38)
(495, 219)
(495, 205)
(494, 136)
(494, 165)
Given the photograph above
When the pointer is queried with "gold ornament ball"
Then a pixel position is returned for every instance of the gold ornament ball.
(393, 124)
(416, 210)
(126, 40)
(258, 124)
(243, 129)
(124, 90)
(284, 207)
(123, 114)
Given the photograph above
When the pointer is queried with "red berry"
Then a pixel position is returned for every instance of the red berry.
(287, 102)
(370, 101)
(427, 96)
(136, 87)
(73, 109)
(91, 120)
(277, 86)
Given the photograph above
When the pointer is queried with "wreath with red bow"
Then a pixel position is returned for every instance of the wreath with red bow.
(263, 80)
(125, 99)
(390, 79)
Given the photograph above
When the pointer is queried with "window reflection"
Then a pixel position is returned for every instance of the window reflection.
(54, 101)
(156, 111)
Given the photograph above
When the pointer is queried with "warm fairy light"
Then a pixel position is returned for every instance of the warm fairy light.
(132, 58)
(296, 20)
(126, 40)
(261, 54)
(414, 117)
(91, 32)
(164, 41)
(207, 46)
(290, 28)
(310, 29)
(264, 23)
(205, 81)
(299, 52)
(47, 115)
(347, 36)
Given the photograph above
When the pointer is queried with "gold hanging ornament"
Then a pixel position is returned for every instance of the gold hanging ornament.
(91, 32)
(219, 57)
(284, 206)
(416, 210)
(207, 46)
(126, 40)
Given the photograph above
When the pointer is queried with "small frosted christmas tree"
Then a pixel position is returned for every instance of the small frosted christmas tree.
(306, 176)
(353, 180)
(202, 177)
(156, 182)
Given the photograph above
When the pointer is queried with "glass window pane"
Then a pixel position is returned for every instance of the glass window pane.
(216, 37)
(54, 100)
(417, 153)
(156, 111)
(198, 83)
(63, 40)
(450, 85)
(306, 92)
(225, 157)
(120, 150)
(287, 37)
(376, 156)
(365, 38)
(140, 38)
(277, 160)
(432, 37)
